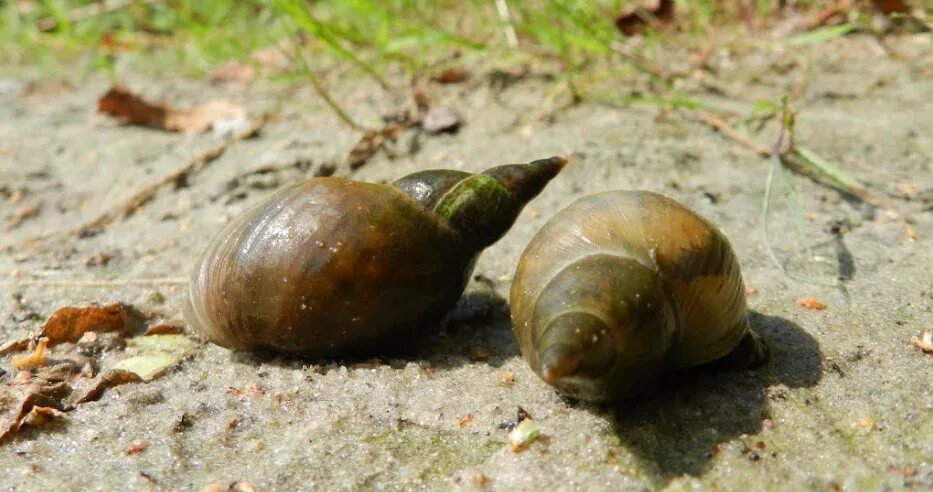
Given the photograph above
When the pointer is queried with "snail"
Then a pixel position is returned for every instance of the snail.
(623, 286)
(329, 267)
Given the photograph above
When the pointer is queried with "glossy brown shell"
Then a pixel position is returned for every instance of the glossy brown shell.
(692, 259)
(328, 267)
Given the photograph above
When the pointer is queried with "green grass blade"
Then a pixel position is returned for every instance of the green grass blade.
(820, 35)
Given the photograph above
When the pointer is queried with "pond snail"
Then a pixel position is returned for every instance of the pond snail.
(330, 267)
(623, 286)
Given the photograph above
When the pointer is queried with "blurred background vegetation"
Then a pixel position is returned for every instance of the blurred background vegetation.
(382, 38)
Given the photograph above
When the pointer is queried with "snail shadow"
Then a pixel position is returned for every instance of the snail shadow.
(478, 329)
(678, 430)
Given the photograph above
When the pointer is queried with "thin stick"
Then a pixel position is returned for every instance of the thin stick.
(509, 28)
(147, 193)
(96, 283)
(730, 132)
(322, 90)
(793, 158)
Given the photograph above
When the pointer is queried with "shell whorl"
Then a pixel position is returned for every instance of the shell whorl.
(661, 277)
(480, 207)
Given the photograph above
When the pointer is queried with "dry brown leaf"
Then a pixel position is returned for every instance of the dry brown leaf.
(373, 141)
(924, 343)
(107, 379)
(16, 345)
(164, 329)
(889, 7)
(132, 109)
(835, 13)
(651, 13)
(135, 447)
(811, 303)
(36, 357)
(441, 119)
(465, 420)
(20, 396)
(451, 75)
(68, 324)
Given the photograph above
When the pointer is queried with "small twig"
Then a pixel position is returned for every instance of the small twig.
(147, 193)
(793, 158)
(322, 90)
(96, 283)
(503, 8)
(732, 133)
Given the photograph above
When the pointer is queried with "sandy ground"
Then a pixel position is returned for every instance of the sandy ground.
(845, 402)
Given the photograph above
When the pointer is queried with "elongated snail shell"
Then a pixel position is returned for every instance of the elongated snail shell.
(330, 267)
(623, 286)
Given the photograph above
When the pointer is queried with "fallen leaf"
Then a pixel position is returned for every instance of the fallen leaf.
(811, 303)
(135, 447)
(41, 415)
(925, 343)
(173, 344)
(451, 75)
(16, 345)
(132, 109)
(20, 396)
(889, 7)
(441, 119)
(651, 13)
(36, 358)
(373, 141)
(148, 366)
(157, 353)
(525, 433)
(62, 372)
(68, 324)
(107, 379)
(164, 329)
(465, 420)
(836, 13)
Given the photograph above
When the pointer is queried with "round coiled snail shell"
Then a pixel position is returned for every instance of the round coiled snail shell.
(623, 286)
(330, 267)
